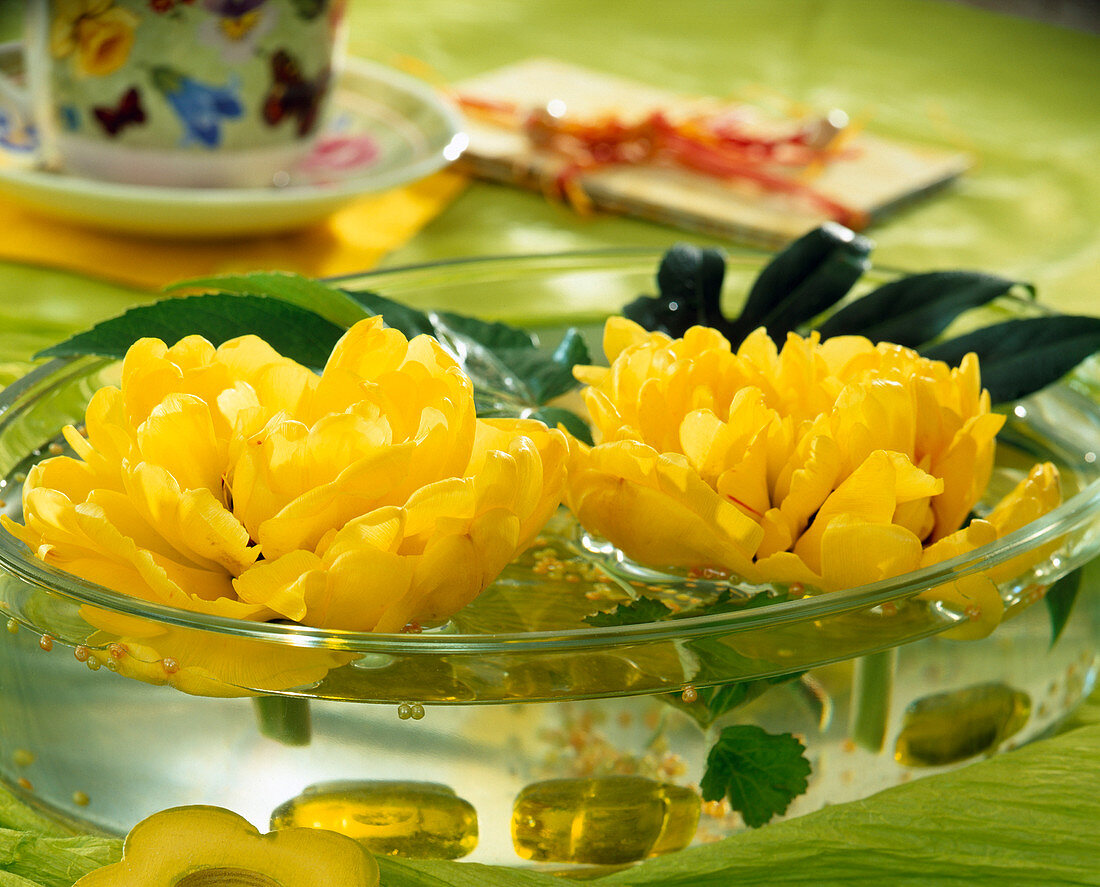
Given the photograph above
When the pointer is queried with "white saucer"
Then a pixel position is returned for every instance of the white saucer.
(386, 129)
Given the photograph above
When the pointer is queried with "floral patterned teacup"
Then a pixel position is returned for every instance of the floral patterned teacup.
(187, 93)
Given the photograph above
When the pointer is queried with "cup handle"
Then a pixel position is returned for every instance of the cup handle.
(18, 132)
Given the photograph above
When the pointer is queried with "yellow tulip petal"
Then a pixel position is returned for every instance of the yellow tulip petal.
(358, 489)
(974, 597)
(657, 510)
(282, 585)
(358, 587)
(179, 437)
(856, 553)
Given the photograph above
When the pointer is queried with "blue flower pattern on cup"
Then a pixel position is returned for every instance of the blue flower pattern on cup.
(201, 107)
(17, 136)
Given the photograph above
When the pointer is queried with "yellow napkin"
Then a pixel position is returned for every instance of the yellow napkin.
(353, 239)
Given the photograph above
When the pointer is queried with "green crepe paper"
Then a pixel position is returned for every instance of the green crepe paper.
(55, 862)
(1026, 817)
(17, 816)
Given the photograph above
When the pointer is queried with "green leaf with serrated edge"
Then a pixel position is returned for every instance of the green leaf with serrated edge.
(760, 773)
(916, 308)
(409, 321)
(305, 292)
(293, 331)
(635, 612)
(1019, 357)
(574, 424)
(1059, 599)
(802, 280)
(546, 376)
(492, 334)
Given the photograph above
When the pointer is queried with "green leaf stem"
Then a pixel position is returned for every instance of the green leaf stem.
(1059, 601)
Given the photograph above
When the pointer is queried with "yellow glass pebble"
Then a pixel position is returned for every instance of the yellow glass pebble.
(950, 727)
(419, 820)
(607, 820)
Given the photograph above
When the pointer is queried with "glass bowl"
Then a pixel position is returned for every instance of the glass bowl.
(115, 708)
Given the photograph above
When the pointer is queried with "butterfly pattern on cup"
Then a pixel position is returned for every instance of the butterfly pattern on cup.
(127, 112)
(214, 76)
(292, 95)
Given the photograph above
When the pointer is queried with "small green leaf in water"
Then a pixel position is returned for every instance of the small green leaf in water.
(634, 612)
(294, 332)
(760, 773)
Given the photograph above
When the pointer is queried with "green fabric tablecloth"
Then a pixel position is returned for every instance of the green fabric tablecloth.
(1020, 95)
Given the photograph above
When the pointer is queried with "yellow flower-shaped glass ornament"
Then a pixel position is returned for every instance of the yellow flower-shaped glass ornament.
(235, 482)
(828, 464)
(195, 846)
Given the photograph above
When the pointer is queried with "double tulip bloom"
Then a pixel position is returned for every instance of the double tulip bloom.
(236, 482)
(830, 464)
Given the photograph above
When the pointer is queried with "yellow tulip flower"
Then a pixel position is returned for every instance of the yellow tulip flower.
(830, 464)
(233, 481)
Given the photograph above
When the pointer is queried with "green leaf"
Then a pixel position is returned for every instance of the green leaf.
(720, 699)
(395, 315)
(635, 612)
(1059, 600)
(574, 424)
(760, 773)
(1019, 357)
(1024, 817)
(506, 360)
(689, 285)
(808, 276)
(915, 309)
(328, 301)
(546, 376)
(493, 335)
(293, 331)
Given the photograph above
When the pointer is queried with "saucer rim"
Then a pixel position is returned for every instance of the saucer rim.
(22, 182)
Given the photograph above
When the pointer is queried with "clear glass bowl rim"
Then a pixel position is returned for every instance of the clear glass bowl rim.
(14, 559)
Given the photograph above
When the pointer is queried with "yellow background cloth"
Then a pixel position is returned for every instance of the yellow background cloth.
(353, 239)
